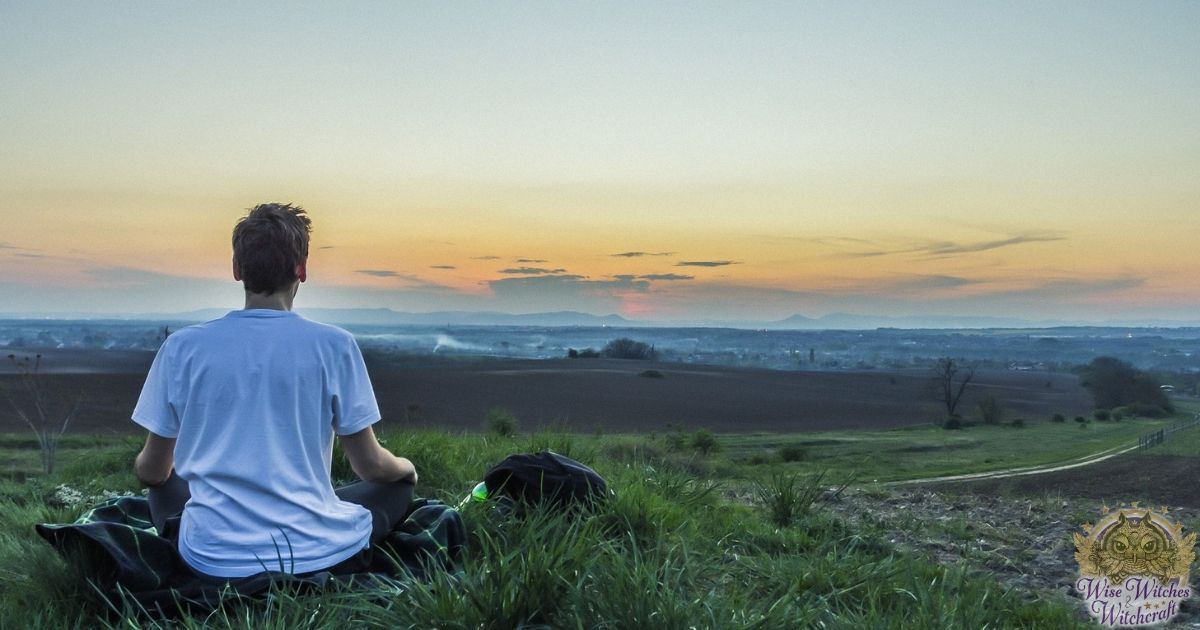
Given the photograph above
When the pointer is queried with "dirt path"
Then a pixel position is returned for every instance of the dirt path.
(1086, 460)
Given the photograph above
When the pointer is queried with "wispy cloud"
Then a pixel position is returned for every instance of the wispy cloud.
(706, 263)
(939, 249)
(529, 271)
(328, 247)
(442, 267)
(485, 258)
(29, 255)
(640, 254)
(910, 284)
(531, 260)
(1066, 288)
(412, 282)
(666, 276)
(569, 282)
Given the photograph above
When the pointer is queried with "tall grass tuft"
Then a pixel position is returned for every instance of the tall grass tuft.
(787, 497)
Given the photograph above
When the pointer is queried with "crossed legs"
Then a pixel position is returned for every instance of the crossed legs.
(388, 502)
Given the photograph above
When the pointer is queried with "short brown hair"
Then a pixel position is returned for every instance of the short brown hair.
(268, 243)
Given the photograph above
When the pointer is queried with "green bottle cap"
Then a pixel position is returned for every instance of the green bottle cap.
(480, 492)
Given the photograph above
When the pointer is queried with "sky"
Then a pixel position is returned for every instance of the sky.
(661, 161)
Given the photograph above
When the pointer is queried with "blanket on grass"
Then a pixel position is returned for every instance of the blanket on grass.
(117, 547)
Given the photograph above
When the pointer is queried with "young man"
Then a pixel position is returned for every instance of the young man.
(244, 409)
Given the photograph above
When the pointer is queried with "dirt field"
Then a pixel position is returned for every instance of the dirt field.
(584, 394)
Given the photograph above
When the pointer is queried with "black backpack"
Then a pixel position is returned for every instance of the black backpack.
(545, 476)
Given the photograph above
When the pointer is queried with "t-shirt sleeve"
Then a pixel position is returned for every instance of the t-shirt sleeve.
(155, 409)
(354, 405)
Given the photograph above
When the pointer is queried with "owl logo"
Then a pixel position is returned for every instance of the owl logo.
(1131, 542)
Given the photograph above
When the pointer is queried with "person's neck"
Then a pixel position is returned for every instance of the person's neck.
(279, 301)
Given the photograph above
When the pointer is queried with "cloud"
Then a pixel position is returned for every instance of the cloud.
(938, 249)
(328, 247)
(7, 245)
(639, 254)
(706, 263)
(905, 284)
(566, 292)
(666, 276)
(951, 249)
(1066, 288)
(414, 282)
(530, 271)
(28, 255)
(485, 258)
(531, 260)
(442, 267)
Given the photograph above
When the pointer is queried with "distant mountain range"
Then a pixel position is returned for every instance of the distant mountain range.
(835, 321)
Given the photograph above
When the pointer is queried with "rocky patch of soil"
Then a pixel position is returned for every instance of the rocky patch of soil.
(1024, 542)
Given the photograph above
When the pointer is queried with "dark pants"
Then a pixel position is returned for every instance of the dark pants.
(388, 503)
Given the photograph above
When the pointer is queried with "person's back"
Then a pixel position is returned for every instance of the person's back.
(257, 395)
(246, 408)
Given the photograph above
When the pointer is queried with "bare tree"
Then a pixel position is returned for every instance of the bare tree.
(949, 382)
(47, 420)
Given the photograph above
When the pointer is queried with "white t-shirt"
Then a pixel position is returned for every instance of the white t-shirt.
(254, 399)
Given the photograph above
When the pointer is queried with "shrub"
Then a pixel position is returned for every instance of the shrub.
(586, 353)
(1142, 410)
(47, 413)
(626, 348)
(788, 497)
(1058, 417)
(652, 374)
(704, 441)
(990, 410)
(1080, 419)
(758, 459)
(953, 423)
(501, 422)
(1019, 423)
(1102, 415)
(792, 453)
(676, 439)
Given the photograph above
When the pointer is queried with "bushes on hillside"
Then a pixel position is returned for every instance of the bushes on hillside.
(626, 348)
(1115, 383)
(1141, 410)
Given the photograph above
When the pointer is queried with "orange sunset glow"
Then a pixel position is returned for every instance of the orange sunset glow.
(664, 163)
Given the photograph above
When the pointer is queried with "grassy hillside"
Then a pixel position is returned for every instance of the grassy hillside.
(679, 545)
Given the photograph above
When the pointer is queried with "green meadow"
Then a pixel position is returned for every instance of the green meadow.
(695, 535)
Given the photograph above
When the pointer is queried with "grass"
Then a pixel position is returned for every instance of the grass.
(669, 550)
(1185, 443)
(928, 451)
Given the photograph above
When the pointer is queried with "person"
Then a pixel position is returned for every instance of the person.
(241, 414)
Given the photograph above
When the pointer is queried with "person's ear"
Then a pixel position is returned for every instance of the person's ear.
(302, 270)
(237, 271)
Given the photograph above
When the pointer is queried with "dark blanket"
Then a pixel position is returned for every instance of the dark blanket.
(118, 548)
